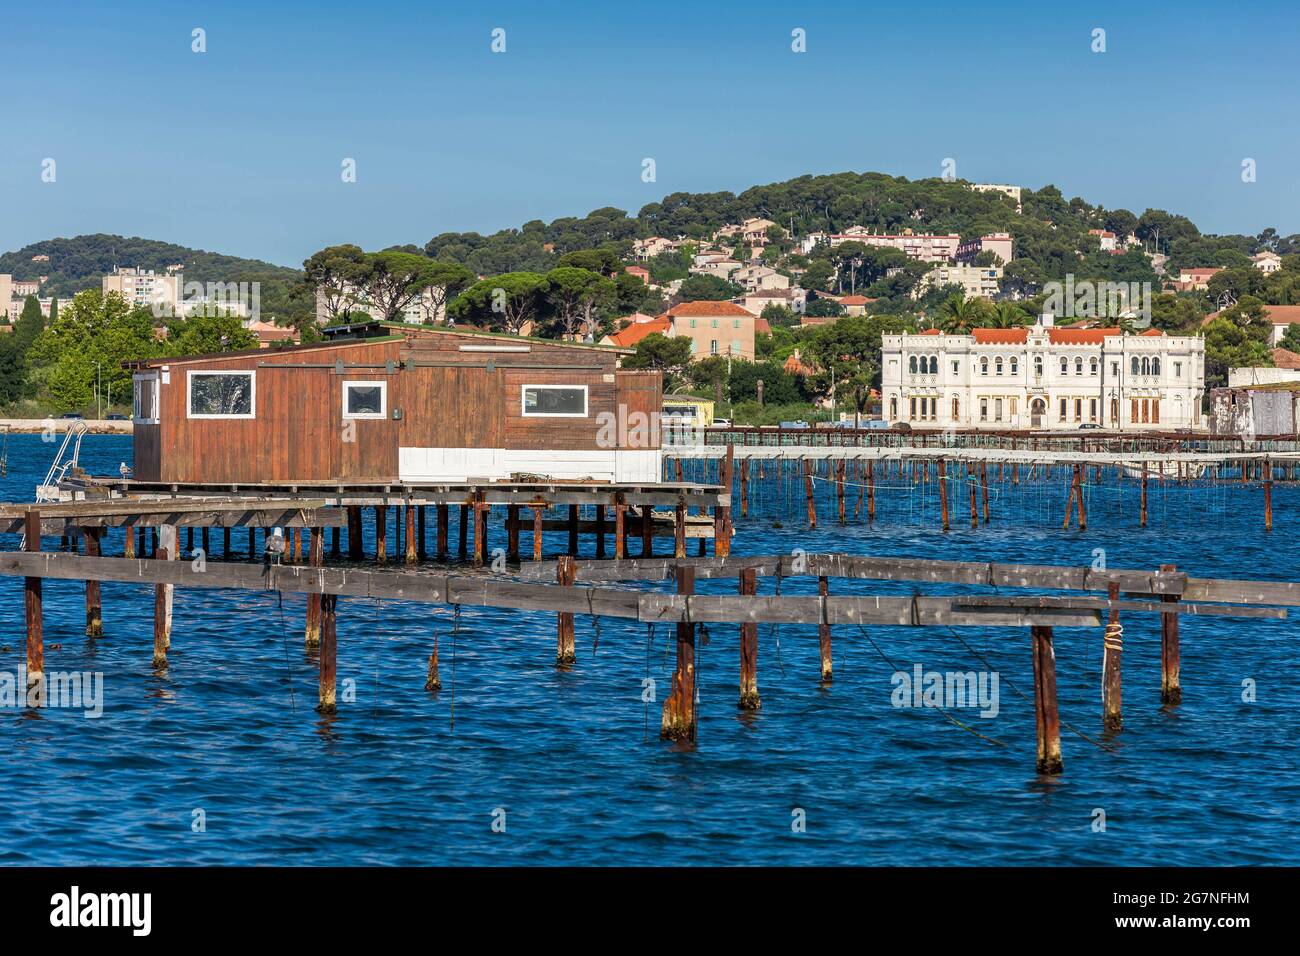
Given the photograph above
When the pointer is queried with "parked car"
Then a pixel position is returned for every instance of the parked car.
(799, 424)
(72, 415)
(1088, 425)
(117, 417)
(722, 423)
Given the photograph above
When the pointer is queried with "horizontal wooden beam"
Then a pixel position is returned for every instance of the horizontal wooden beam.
(1046, 577)
(497, 591)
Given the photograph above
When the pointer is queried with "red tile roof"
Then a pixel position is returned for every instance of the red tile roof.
(1277, 314)
(709, 308)
(1285, 358)
(930, 332)
(1080, 336)
(856, 300)
(635, 332)
(1152, 332)
(1000, 336)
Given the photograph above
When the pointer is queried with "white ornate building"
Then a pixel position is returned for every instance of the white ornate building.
(1044, 377)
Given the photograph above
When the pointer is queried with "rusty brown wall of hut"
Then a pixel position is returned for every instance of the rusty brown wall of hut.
(298, 432)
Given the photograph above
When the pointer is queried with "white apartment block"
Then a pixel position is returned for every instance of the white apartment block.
(15, 307)
(1044, 377)
(144, 287)
(920, 246)
(975, 281)
(1012, 191)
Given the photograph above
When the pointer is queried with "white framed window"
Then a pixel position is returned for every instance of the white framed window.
(554, 401)
(221, 394)
(365, 399)
(146, 398)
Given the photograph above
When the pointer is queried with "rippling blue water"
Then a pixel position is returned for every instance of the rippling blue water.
(230, 728)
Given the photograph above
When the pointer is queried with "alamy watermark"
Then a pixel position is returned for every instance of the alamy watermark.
(949, 690)
(73, 690)
(1087, 299)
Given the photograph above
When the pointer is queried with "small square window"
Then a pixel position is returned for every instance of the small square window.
(365, 399)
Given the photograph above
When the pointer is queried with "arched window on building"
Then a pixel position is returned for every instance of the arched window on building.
(893, 408)
(1065, 365)
(1146, 365)
(1093, 364)
(956, 407)
(1015, 365)
(1137, 369)
(1078, 365)
(997, 365)
(984, 365)
(1155, 365)
(911, 364)
(1038, 365)
(934, 365)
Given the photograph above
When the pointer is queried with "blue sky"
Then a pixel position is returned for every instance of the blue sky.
(238, 149)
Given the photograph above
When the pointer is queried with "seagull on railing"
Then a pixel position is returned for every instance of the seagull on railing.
(123, 470)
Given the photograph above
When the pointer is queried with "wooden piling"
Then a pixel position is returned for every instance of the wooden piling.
(984, 489)
(566, 572)
(839, 489)
(315, 559)
(328, 654)
(573, 528)
(620, 527)
(128, 544)
(412, 539)
(647, 531)
(1143, 507)
(32, 604)
(1268, 496)
(512, 532)
(744, 488)
(335, 542)
(679, 530)
(443, 521)
(749, 699)
(481, 510)
(600, 531)
(252, 544)
(462, 533)
(162, 606)
(538, 511)
(970, 481)
(1171, 691)
(943, 493)
(94, 605)
(808, 493)
(1046, 714)
(421, 550)
(871, 491)
(679, 706)
(355, 545)
(824, 629)
(381, 534)
(1078, 497)
(432, 679)
(1112, 659)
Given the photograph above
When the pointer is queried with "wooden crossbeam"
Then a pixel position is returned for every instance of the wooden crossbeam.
(1046, 577)
(496, 591)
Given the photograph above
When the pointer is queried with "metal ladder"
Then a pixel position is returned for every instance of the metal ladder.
(63, 462)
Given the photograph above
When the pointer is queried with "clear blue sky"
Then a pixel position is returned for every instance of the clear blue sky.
(238, 149)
